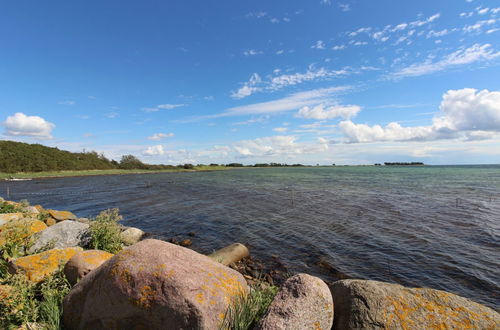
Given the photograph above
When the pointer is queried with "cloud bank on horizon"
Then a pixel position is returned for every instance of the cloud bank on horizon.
(318, 82)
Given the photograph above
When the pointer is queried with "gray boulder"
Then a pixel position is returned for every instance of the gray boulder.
(61, 235)
(153, 285)
(303, 302)
(131, 235)
(363, 304)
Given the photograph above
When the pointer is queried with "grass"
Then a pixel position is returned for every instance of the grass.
(102, 172)
(105, 231)
(246, 311)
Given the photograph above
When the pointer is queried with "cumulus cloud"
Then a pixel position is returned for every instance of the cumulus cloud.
(154, 151)
(160, 136)
(280, 129)
(20, 124)
(475, 53)
(466, 113)
(248, 88)
(322, 112)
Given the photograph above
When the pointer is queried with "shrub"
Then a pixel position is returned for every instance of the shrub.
(105, 231)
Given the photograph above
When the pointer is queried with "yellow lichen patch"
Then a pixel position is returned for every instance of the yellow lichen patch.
(95, 257)
(435, 312)
(61, 215)
(146, 297)
(218, 283)
(16, 230)
(36, 267)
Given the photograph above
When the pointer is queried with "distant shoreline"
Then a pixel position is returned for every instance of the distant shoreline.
(60, 174)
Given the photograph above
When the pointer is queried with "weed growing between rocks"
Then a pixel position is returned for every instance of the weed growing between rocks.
(24, 302)
(105, 231)
(245, 312)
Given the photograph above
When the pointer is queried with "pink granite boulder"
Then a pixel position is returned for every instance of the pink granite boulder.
(303, 302)
(153, 285)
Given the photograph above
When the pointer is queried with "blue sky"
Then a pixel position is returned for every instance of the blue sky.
(316, 81)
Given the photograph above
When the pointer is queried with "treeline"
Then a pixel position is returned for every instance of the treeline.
(23, 157)
(403, 164)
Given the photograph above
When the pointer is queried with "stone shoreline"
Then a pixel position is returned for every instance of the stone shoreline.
(155, 284)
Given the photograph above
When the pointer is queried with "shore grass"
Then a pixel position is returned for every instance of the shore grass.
(24, 175)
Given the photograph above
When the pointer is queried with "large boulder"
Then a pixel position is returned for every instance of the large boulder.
(19, 229)
(83, 263)
(62, 215)
(363, 304)
(38, 266)
(153, 285)
(131, 235)
(303, 302)
(61, 235)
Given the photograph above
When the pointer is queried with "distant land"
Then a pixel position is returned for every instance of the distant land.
(36, 160)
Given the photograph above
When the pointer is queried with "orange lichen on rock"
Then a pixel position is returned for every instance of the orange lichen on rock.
(50, 221)
(83, 263)
(61, 215)
(17, 230)
(36, 267)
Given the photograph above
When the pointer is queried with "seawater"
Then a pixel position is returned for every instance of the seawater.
(429, 226)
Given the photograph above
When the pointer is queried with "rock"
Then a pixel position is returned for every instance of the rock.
(6, 217)
(50, 221)
(192, 234)
(153, 285)
(303, 302)
(231, 253)
(36, 267)
(62, 235)
(32, 210)
(16, 230)
(83, 263)
(39, 208)
(83, 220)
(131, 235)
(363, 304)
(62, 215)
(186, 243)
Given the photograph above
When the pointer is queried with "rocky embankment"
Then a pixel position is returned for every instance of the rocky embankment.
(152, 284)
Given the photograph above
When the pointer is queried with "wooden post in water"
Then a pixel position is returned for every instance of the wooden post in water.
(8, 192)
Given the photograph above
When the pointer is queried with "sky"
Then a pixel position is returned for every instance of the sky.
(288, 81)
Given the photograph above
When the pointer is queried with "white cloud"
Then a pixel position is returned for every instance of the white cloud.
(281, 145)
(477, 27)
(154, 151)
(280, 129)
(274, 83)
(344, 6)
(319, 45)
(321, 112)
(20, 124)
(252, 52)
(160, 136)
(291, 102)
(258, 120)
(466, 113)
(248, 88)
(339, 47)
(472, 54)
(162, 107)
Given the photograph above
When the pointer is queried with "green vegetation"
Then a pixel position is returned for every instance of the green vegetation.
(26, 302)
(105, 231)
(246, 311)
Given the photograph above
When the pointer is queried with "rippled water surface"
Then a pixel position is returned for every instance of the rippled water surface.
(436, 226)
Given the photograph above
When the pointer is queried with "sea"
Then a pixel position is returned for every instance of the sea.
(419, 226)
